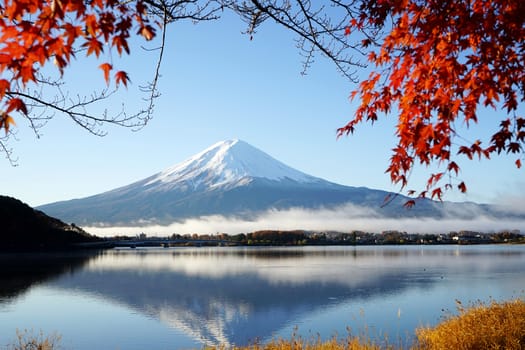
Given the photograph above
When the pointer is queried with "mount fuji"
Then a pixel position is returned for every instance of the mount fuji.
(232, 179)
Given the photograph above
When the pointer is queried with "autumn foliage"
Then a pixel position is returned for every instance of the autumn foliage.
(437, 64)
(34, 33)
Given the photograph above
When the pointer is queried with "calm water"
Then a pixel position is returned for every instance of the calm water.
(189, 297)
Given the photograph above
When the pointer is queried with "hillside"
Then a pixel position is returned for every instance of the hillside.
(24, 228)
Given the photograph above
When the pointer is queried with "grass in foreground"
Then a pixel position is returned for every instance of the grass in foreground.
(352, 343)
(27, 340)
(479, 326)
(494, 326)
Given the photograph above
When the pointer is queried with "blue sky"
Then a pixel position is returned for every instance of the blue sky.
(216, 84)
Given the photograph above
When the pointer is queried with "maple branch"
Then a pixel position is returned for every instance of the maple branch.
(6, 150)
(151, 88)
(316, 30)
(194, 10)
(86, 120)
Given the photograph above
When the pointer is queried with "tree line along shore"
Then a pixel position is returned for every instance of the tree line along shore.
(304, 237)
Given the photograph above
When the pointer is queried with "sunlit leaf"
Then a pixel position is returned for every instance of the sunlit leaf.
(16, 104)
(121, 77)
(106, 68)
(409, 204)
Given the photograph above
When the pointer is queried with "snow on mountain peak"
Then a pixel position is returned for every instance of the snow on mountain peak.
(228, 163)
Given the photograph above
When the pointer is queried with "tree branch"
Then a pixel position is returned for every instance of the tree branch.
(315, 29)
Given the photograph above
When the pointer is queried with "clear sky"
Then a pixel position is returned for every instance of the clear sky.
(216, 84)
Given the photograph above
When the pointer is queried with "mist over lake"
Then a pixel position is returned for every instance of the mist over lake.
(190, 297)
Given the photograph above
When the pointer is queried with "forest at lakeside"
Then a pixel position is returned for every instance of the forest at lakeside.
(304, 237)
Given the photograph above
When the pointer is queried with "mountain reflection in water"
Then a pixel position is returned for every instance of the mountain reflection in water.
(231, 296)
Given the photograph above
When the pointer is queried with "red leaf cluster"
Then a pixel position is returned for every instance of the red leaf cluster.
(35, 32)
(440, 61)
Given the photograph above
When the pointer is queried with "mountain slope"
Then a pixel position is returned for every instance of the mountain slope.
(24, 228)
(230, 178)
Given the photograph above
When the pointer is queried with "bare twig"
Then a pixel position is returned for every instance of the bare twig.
(319, 28)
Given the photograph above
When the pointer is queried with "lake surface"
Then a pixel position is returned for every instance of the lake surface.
(179, 298)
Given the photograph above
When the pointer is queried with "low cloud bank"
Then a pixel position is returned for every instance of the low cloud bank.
(345, 218)
(512, 204)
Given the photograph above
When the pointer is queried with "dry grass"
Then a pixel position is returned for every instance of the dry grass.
(480, 326)
(27, 340)
(297, 343)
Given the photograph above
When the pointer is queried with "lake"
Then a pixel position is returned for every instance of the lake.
(179, 298)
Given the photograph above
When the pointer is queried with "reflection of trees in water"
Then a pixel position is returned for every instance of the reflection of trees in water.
(386, 251)
(19, 272)
(281, 252)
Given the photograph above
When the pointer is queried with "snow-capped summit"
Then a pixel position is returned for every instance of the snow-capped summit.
(227, 164)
